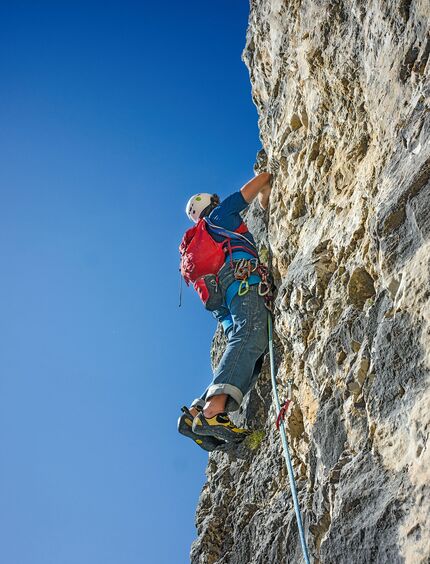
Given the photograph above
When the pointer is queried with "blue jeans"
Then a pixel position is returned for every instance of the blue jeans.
(247, 342)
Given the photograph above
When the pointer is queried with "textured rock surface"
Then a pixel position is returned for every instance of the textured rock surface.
(342, 90)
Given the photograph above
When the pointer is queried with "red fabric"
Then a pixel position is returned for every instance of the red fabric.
(242, 228)
(202, 289)
(282, 413)
(200, 254)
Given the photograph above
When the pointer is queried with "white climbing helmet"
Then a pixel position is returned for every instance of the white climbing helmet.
(196, 204)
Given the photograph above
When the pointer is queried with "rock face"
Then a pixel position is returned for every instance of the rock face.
(342, 90)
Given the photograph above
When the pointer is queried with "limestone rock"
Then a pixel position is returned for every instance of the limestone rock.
(342, 90)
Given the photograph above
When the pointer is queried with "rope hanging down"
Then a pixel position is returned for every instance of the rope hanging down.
(281, 425)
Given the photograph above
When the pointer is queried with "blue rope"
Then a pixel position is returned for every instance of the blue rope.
(285, 445)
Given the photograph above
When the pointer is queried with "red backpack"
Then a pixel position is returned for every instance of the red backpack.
(202, 257)
(201, 254)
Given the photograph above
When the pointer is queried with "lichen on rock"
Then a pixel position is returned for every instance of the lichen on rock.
(342, 91)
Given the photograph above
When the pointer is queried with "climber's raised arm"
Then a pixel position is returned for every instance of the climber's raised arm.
(259, 186)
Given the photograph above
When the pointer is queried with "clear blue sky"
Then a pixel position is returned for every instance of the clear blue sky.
(112, 114)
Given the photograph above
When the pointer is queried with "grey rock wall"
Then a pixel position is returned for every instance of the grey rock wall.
(342, 91)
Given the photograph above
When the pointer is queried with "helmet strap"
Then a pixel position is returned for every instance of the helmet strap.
(214, 203)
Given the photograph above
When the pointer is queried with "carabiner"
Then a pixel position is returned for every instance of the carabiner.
(263, 289)
(254, 265)
(243, 288)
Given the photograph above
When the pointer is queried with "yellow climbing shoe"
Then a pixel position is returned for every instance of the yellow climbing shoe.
(185, 424)
(218, 426)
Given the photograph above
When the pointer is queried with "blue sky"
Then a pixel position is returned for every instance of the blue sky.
(112, 115)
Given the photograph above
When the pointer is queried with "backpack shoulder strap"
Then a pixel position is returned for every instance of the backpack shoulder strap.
(227, 233)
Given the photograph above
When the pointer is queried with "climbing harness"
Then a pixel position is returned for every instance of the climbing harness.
(242, 270)
(281, 425)
(202, 259)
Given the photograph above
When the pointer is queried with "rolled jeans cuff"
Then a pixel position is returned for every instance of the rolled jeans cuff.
(234, 399)
(198, 403)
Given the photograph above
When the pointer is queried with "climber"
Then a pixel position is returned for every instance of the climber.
(219, 256)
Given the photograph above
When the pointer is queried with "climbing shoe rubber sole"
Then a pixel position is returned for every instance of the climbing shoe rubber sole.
(207, 443)
(220, 427)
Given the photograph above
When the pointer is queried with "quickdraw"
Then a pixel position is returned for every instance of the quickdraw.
(264, 287)
(243, 269)
(282, 413)
(284, 407)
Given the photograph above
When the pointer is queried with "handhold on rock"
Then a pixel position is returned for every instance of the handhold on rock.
(360, 287)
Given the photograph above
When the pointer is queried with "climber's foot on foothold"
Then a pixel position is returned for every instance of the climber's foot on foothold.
(218, 426)
(208, 443)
